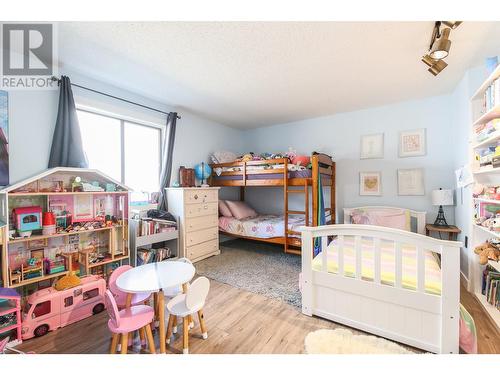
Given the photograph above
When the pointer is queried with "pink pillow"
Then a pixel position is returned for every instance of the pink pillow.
(224, 209)
(241, 210)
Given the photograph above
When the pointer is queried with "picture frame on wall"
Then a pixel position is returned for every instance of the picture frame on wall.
(372, 146)
(411, 181)
(412, 143)
(370, 183)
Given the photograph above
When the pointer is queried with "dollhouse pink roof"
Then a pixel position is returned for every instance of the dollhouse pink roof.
(86, 174)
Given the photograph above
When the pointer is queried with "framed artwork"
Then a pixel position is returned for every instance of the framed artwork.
(370, 183)
(372, 146)
(37, 254)
(4, 138)
(411, 181)
(412, 143)
(37, 244)
(83, 207)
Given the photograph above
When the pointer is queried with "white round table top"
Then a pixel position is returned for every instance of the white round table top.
(155, 276)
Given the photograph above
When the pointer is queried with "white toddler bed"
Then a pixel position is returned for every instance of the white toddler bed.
(384, 281)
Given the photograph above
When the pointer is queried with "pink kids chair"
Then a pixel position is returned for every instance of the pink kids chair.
(120, 296)
(174, 291)
(184, 305)
(123, 322)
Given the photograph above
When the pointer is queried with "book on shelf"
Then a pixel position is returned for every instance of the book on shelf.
(148, 226)
(491, 287)
(145, 256)
(491, 96)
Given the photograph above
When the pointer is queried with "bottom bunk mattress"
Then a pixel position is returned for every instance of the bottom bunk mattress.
(388, 263)
(262, 226)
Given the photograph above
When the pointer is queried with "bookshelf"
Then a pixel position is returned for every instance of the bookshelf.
(141, 241)
(90, 211)
(484, 116)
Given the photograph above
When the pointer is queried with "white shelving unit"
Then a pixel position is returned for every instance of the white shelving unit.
(171, 237)
(487, 176)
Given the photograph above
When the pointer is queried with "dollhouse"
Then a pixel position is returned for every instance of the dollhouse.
(60, 220)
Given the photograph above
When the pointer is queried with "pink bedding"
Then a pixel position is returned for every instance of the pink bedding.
(262, 226)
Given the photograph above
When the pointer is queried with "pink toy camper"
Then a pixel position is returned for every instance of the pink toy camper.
(48, 309)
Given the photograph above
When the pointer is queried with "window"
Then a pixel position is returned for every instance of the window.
(126, 151)
(41, 309)
(68, 301)
(90, 294)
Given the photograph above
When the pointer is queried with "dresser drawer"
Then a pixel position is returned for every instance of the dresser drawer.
(194, 238)
(202, 222)
(202, 209)
(201, 196)
(194, 252)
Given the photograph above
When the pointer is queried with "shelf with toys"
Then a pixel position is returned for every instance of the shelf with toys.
(484, 268)
(63, 211)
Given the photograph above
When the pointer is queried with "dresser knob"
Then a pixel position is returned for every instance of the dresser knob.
(196, 196)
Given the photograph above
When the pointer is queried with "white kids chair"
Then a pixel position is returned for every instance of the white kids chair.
(184, 305)
(174, 291)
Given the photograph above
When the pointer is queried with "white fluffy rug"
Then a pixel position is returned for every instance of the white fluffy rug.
(343, 341)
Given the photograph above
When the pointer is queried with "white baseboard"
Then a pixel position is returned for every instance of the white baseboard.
(464, 280)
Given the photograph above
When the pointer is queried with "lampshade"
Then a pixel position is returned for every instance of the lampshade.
(442, 197)
(441, 46)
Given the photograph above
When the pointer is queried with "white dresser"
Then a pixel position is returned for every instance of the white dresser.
(198, 213)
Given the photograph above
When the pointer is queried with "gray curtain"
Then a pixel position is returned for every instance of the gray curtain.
(67, 148)
(166, 162)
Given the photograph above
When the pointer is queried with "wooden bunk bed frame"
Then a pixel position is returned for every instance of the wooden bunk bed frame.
(322, 165)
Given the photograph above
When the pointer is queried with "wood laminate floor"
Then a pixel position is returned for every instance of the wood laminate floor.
(238, 322)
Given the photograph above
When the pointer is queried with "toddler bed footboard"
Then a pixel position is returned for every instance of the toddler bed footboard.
(412, 301)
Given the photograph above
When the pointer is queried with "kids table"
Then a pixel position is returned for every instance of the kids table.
(154, 278)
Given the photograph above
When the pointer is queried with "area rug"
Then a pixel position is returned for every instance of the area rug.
(343, 341)
(257, 267)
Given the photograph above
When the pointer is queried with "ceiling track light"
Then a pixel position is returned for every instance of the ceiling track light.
(439, 47)
(435, 66)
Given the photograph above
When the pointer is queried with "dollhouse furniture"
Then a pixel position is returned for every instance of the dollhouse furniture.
(198, 213)
(93, 224)
(184, 305)
(155, 278)
(10, 313)
(123, 322)
(27, 219)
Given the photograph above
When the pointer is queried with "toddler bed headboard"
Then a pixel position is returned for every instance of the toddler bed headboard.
(417, 216)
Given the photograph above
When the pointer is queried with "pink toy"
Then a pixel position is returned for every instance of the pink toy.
(121, 297)
(48, 309)
(28, 218)
(128, 320)
(10, 312)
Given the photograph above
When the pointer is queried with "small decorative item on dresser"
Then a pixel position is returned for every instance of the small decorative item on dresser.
(202, 171)
(186, 177)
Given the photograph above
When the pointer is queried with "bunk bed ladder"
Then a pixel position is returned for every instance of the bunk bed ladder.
(287, 191)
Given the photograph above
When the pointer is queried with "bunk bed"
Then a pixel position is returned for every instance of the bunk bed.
(282, 173)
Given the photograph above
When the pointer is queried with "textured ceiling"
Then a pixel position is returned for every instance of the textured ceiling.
(251, 74)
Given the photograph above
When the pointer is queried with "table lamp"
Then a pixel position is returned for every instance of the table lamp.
(442, 198)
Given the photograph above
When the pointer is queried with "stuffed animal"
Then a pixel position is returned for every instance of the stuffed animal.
(487, 251)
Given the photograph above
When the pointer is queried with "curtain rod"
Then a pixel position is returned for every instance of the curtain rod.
(115, 97)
